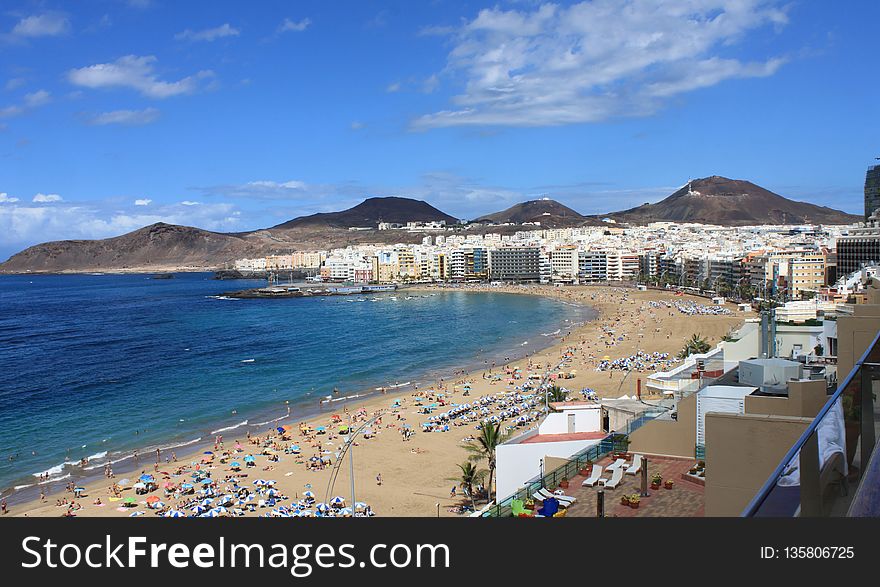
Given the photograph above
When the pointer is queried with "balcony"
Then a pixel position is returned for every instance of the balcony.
(832, 470)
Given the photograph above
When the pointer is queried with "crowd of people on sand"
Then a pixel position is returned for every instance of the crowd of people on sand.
(218, 483)
(691, 308)
(641, 361)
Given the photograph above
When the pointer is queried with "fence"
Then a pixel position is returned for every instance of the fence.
(551, 479)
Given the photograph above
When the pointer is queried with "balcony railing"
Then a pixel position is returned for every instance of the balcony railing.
(830, 470)
(551, 479)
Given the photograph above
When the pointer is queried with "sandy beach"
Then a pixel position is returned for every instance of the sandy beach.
(418, 473)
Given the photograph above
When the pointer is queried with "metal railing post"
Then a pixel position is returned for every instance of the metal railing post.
(811, 496)
(600, 503)
(866, 426)
(644, 476)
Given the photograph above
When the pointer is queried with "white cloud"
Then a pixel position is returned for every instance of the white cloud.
(125, 117)
(357, 125)
(25, 225)
(224, 30)
(49, 24)
(289, 25)
(189, 203)
(14, 83)
(394, 87)
(28, 102)
(143, 202)
(591, 61)
(35, 99)
(46, 198)
(138, 73)
(7, 199)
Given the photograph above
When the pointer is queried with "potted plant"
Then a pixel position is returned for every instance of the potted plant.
(669, 483)
(587, 468)
(624, 500)
(529, 504)
(564, 483)
(656, 480)
(634, 500)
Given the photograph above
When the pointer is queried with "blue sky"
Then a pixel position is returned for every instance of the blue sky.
(233, 116)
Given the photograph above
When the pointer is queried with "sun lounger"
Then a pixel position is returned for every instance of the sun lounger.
(615, 480)
(636, 466)
(594, 477)
(564, 500)
(616, 465)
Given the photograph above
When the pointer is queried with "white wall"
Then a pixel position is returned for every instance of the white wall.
(585, 420)
(517, 463)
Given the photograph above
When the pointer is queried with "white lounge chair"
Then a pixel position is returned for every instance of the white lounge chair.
(636, 466)
(594, 477)
(616, 465)
(615, 480)
(564, 500)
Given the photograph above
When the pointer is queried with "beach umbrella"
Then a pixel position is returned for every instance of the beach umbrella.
(123, 482)
(207, 502)
(337, 501)
(174, 514)
(207, 452)
(197, 509)
(345, 512)
(309, 496)
(152, 499)
(129, 501)
(322, 507)
(259, 482)
(135, 514)
(186, 486)
(272, 492)
(249, 459)
(146, 478)
(307, 513)
(235, 465)
(295, 448)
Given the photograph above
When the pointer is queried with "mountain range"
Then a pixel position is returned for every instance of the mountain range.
(164, 247)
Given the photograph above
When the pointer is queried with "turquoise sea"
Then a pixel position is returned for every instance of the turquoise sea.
(100, 366)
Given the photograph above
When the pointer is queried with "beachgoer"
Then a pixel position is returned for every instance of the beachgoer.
(379, 479)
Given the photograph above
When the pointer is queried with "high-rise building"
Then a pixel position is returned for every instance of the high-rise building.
(872, 190)
(515, 263)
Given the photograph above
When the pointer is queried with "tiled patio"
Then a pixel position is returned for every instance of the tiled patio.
(685, 499)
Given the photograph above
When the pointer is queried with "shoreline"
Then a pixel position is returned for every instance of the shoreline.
(308, 408)
(611, 299)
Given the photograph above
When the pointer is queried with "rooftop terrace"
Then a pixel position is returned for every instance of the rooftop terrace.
(685, 499)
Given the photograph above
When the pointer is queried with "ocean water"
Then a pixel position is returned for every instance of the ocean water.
(101, 366)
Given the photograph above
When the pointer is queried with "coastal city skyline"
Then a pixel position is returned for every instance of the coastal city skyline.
(234, 120)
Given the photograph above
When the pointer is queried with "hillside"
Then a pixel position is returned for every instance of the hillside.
(157, 245)
(731, 202)
(549, 213)
(371, 212)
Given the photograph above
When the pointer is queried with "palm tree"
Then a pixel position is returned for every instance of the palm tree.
(555, 394)
(470, 475)
(694, 345)
(484, 448)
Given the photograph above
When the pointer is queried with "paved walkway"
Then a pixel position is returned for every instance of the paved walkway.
(685, 499)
